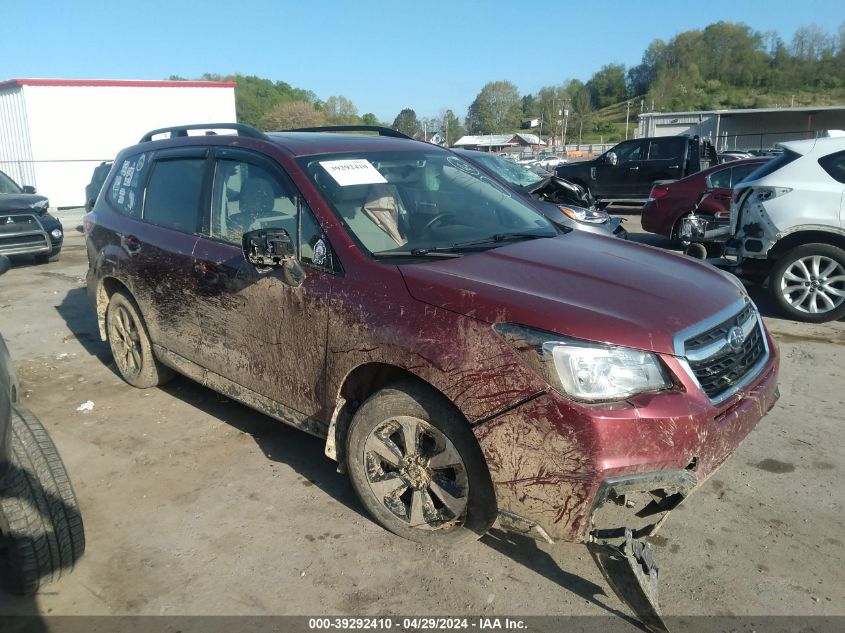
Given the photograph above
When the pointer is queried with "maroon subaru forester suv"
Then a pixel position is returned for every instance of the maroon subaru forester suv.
(465, 360)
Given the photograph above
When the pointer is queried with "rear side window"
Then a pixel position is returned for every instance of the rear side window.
(834, 164)
(173, 195)
(741, 172)
(773, 165)
(665, 149)
(721, 179)
(127, 186)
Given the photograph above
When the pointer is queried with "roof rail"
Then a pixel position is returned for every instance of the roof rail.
(382, 131)
(182, 130)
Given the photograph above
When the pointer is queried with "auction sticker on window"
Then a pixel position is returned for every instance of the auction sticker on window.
(357, 171)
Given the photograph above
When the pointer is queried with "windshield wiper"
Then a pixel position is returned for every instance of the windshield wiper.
(435, 251)
(502, 237)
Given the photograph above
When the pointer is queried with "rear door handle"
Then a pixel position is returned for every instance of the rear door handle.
(633, 168)
(674, 166)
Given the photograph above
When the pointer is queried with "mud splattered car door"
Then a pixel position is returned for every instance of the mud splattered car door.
(261, 333)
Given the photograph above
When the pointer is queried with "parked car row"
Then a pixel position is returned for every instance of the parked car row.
(781, 217)
(424, 314)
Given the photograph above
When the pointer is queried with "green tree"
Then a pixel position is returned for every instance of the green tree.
(369, 118)
(450, 128)
(292, 115)
(497, 109)
(607, 86)
(583, 108)
(340, 111)
(407, 123)
(550, 103)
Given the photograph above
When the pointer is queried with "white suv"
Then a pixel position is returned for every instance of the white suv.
(786, 219)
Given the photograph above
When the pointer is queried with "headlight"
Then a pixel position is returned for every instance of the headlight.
(586, 371)
(582, 214)
(41, 205)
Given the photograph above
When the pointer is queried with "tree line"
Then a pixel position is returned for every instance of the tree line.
(724, 65)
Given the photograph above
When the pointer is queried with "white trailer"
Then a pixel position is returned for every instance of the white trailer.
(53, 132)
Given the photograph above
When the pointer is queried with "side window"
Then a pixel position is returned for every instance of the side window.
(739, 173)
(174, 192)
(314, 246)
(629, 151)
(248, 196)
(125, 193)
(665, 149)
(834, 165)
(721, 179)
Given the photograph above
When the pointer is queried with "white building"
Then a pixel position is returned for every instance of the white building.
(752, 128)
(53, 132)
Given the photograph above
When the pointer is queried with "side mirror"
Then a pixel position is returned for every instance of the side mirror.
(5, 264)
(274, 248)
(28, 189)
(611, 159)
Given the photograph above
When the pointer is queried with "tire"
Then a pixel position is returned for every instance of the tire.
(449, 503)
(130, 344)
(45, 258)
(41, 531)
(808, 283)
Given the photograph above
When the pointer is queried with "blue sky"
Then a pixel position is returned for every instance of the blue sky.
(382, 55)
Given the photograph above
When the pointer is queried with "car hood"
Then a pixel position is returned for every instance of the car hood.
(579, 285)
(19, 201)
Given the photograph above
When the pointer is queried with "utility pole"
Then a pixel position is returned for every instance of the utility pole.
(565, 121)
(627, 113)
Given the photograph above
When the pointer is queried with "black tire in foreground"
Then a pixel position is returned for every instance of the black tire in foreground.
(808, 283)
(417, 467)
(41, 531)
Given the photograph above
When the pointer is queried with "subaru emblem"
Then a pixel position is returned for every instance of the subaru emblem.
(735, 338)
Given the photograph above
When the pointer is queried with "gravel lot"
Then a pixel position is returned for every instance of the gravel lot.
(194, 504)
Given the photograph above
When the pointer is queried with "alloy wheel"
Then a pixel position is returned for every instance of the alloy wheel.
(416, 473)
(814, 284)
(126, 342)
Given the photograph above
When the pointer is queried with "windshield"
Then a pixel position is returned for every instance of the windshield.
(420, 200)
(7, 185)
(512, 173)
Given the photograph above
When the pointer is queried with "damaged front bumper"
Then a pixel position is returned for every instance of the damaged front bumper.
(609, 475)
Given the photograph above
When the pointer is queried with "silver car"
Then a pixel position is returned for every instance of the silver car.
(560, 201)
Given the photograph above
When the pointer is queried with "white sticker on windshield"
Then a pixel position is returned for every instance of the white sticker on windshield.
(358, 171)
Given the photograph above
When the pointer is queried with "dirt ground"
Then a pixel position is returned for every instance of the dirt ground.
(194, 504)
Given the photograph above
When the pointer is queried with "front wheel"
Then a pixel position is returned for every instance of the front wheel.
(417, 468)
(808, 283)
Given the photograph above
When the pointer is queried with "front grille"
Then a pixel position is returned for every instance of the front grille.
(19, 224)
(716, 365)
(23, 243)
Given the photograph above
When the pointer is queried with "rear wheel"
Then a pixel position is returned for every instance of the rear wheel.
(808, 283)
(41, 532)
(130, 344)
(417, 468)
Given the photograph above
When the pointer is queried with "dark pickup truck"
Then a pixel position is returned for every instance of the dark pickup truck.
(627, 171)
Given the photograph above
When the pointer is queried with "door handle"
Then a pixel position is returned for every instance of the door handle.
(674, 166)
(132, 243)
(633, 168)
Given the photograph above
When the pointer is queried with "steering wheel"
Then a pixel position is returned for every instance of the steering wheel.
(437, 218)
